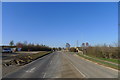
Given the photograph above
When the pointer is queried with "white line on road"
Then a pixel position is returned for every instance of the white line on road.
(44, 75)
(96, 63)
(76, 68)
(31, 70)
(50, 62)
(35, 60)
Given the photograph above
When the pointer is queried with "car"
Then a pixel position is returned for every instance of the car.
(7, 50)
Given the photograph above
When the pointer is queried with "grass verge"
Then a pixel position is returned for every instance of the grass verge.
(101, 62)
(105, 59)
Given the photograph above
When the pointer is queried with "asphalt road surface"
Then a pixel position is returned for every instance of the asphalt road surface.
(63, 65)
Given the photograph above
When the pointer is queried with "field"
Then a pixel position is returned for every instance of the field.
(13, 61)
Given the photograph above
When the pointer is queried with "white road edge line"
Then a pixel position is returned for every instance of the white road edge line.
(98, 64)
(77, 69)
(44, 75)
(35, 61)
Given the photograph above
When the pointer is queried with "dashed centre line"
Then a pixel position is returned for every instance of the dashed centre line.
(31, 70)
(44, 75)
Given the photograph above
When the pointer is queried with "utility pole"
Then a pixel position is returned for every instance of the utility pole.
(77, 44)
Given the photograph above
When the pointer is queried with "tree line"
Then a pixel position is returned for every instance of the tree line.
(25, 46)
(102, 51)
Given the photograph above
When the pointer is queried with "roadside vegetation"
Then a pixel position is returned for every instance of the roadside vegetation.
(21, 56)
(72, 49)
(117, 61)
(25, 58)
(104, 51)
(101, 62)
(33, 47)
(102, 54)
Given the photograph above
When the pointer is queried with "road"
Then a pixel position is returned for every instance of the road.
(63, 65)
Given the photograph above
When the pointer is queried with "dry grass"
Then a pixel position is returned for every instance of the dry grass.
(23, 59)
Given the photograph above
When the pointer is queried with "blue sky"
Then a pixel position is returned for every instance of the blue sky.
(55, 24)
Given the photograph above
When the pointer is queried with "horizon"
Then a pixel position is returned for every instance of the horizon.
(55, 24)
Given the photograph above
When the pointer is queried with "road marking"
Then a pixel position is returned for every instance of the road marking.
(31, 70)
(76, 68)
(97, 63)
(35, 60)
(50, 62)
(44, 75)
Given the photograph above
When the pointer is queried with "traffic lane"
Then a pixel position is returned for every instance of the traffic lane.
(90, 69)
(39, 70)
(34, 69)
(60, 67)
(54, 67)
(94, 70)
(69, 70)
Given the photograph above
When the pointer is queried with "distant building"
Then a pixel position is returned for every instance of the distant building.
(2, 47)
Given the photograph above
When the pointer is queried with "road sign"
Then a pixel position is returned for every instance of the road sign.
(67, 45)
